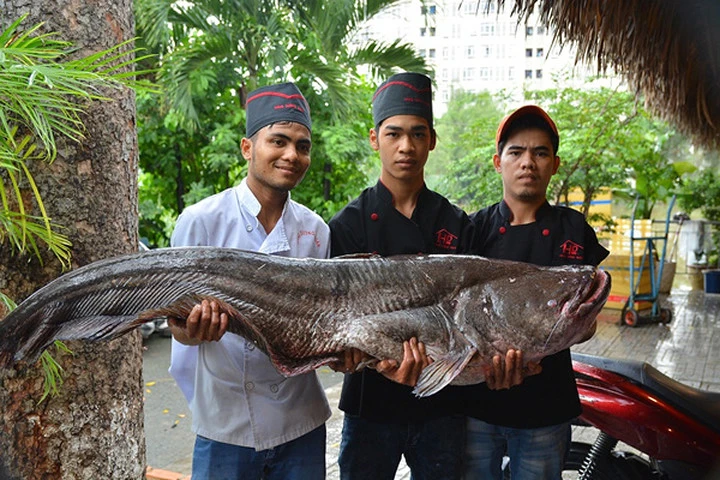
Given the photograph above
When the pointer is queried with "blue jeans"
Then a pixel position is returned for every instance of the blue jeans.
(433, 449)
(299, 459)
(535, 453)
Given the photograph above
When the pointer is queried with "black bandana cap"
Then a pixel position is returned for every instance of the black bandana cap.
(276, 103)
(403, 94)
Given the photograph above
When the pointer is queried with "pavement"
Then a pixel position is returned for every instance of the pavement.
(687, 349)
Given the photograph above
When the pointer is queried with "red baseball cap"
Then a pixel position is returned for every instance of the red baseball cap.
(527, 110)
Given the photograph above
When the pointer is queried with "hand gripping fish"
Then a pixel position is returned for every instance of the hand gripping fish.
(303, 313)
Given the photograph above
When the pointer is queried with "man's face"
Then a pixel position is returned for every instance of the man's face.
(279, 156)
(404, 142)
(526, 164)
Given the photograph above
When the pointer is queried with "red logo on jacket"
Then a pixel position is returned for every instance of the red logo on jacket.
(571, 250)
(445, 240)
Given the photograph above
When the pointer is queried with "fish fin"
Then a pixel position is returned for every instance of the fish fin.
(289, 368)
(181, 308)
(350, 256)
(441, 372)
(367, 363)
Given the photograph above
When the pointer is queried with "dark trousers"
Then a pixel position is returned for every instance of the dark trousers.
(433, 449)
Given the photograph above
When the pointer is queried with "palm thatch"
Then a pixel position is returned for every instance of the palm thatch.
(669, 50)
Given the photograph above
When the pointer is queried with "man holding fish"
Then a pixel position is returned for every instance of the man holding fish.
(252, 422)
(384, 420)
(531, 422)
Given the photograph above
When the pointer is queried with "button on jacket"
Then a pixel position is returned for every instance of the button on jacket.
(235, 394)
(559, 236)
(371, 224)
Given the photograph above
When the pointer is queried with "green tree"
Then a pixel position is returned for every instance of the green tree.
(654, 168)
(592, 123)
(94, 427)
(608, 140)
(702, 191)
(39, 93)
(463, 156)
(341, 155)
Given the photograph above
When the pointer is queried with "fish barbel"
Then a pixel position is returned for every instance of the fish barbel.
(303, 313)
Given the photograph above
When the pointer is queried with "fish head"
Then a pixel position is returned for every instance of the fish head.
(540, 310)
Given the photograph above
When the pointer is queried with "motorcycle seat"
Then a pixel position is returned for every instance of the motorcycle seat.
(700, 404)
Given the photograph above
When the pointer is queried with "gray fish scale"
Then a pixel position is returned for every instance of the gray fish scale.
(305, 312)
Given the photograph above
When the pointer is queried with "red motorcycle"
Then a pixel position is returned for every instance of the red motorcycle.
(675, 427)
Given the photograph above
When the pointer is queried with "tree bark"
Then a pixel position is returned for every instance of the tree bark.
(94, 428)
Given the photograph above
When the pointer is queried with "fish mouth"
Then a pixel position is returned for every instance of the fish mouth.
(590, 300)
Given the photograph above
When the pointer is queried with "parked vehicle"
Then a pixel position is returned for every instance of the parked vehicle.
(159, 326)
(676, 428)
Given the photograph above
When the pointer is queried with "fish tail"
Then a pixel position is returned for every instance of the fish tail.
(22, 333)
(5, 359)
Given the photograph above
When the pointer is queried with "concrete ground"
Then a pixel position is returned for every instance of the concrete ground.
(688, 350)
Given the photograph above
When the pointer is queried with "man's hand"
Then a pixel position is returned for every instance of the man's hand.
(204, 324)
(350, 361)
(408, 372)
(501, 375)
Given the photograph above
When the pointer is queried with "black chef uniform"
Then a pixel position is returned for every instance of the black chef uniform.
(559, 236)
(371, 224)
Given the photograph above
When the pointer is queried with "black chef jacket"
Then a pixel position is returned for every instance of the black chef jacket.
(371, 224)
(559, 236)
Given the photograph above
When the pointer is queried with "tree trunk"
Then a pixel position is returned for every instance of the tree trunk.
(94, 428)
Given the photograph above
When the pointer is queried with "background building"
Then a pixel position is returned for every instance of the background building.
(474, 47)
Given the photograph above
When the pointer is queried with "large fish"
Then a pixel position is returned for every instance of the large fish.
(304, 312)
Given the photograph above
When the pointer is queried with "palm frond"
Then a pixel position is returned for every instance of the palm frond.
(383, 58)
(43, 94)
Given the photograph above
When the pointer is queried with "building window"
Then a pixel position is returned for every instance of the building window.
(432, 53)
(422, 53)
(469, 74)
(470, 51)
(540, 53)
(432, 31)
(528, 31)
(528, 73)
(538, 73)
(528, 52)
(445, 53)
(484, 73)
(423, 31)
(540, 30)
(433, 9)
(487, 29)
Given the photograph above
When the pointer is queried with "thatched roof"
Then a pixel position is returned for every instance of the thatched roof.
(669, 50)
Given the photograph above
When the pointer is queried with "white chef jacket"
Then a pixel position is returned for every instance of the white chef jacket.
(235, 394)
